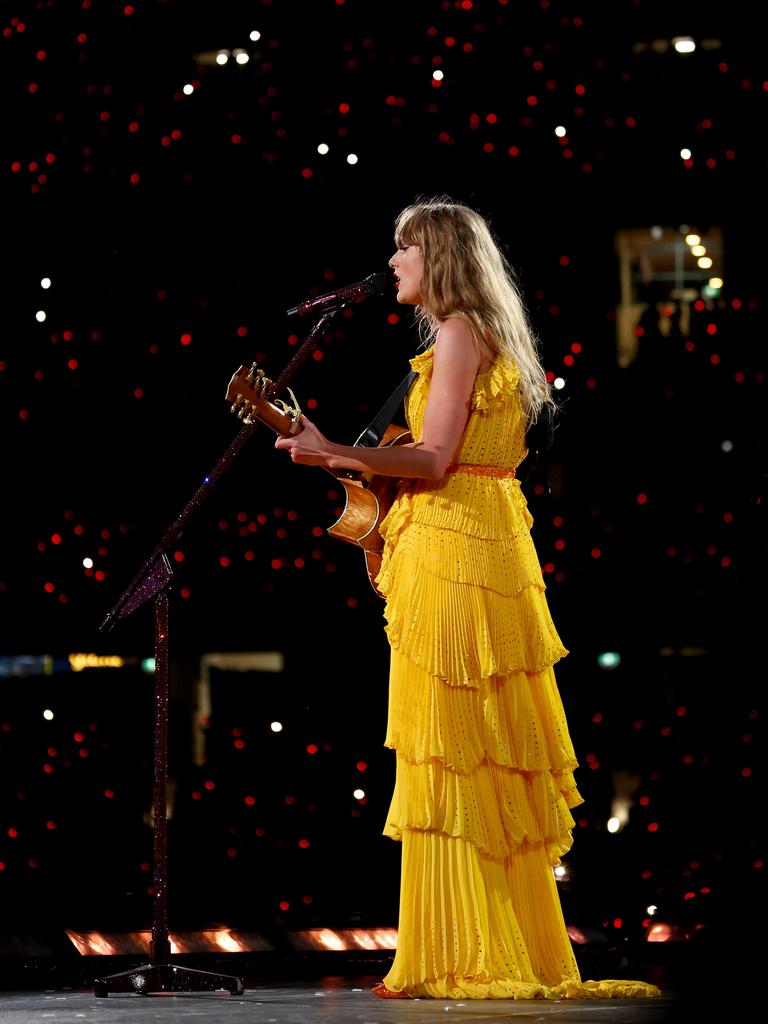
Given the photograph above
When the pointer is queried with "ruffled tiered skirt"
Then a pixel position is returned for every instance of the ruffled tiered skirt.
(485, 764)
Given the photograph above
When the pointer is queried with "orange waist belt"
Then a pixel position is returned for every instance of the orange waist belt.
(478, 470)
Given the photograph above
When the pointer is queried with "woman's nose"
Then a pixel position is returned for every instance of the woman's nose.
(392, 261)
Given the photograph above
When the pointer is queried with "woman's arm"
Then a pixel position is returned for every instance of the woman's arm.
(456, 362)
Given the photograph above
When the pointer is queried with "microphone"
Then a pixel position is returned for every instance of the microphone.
(357, 292)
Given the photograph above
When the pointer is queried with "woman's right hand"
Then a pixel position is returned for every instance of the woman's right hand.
(309, 447)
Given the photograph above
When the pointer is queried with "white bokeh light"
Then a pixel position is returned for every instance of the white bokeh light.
(684, 44)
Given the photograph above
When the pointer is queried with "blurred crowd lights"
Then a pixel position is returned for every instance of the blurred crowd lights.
(609, 659)
(222, 56)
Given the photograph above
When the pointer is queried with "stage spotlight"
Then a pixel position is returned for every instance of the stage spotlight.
(341, 939)
(208, 940)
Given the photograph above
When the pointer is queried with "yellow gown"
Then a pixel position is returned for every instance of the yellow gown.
(485, 764)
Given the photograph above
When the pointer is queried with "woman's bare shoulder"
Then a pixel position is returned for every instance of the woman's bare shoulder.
(457, 335)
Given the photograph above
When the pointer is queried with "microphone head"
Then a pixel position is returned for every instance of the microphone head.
(375, 284)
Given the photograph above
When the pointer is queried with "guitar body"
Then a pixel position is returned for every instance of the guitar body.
(368, 499)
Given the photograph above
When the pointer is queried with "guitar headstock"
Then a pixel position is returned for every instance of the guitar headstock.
(248, 386)
(248, 391)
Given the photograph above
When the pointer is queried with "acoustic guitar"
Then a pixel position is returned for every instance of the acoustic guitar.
(368, 496)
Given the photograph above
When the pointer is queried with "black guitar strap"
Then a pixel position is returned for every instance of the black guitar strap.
(373, 433)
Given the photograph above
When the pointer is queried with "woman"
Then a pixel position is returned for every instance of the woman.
(484, 760)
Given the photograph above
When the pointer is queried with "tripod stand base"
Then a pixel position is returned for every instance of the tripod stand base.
(153, 978)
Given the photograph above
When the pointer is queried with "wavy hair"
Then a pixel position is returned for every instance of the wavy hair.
(466, 275)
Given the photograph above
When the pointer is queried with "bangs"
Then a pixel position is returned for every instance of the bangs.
(407, 228)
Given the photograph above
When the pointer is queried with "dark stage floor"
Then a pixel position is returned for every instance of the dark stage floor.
(327, 999)
(696, 985)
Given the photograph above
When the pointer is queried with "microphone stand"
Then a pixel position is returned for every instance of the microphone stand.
(153, 581)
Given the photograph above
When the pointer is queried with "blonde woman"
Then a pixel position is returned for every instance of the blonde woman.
(485, 763)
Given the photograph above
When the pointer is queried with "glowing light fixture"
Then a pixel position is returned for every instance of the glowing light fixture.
(77, 662)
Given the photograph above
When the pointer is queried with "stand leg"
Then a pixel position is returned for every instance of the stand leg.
(167, 978)
(160, 975)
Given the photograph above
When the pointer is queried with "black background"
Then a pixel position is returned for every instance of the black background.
(218, 237)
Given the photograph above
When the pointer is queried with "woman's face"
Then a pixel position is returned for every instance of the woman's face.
(408, 265)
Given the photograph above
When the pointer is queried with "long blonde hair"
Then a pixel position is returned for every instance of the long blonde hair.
(467, 275)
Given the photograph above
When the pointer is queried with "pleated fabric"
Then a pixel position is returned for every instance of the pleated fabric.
(485, 765)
